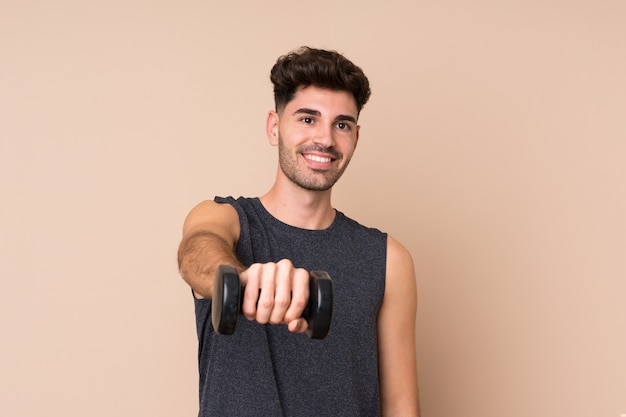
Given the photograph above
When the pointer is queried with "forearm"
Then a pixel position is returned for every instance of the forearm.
(398, 376)
(199, 256)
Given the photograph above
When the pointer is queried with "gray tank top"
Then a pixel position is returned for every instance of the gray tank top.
(264, 370)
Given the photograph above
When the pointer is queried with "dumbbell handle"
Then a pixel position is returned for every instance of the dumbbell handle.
(227, 293)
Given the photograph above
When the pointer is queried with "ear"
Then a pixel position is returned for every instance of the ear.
(356, 140)
(271, 127)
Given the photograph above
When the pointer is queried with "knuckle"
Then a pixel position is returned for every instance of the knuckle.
(269, 267)
(285, 263)
(299, 302)
(301, 275)
(282, 302)
(266, 304)
(248, 312)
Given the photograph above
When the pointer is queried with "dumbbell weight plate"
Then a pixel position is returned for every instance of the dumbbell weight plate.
(319, 310)
(226, 300)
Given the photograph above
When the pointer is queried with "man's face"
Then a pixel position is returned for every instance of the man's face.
(316, 134)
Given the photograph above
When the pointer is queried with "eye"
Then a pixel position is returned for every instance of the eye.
(343, 126)
(307, 120)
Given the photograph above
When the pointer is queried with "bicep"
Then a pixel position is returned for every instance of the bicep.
(210, 234)
(396, 334)
(217, 218)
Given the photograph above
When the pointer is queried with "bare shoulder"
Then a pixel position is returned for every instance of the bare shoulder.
(400, 299)
(400, 286)
(399, 261)
(210, 216)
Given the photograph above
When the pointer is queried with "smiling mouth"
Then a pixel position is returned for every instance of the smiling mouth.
(317, 158)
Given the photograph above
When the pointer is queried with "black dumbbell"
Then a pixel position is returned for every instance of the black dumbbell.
(226, 303)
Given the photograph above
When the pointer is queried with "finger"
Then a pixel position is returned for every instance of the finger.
(282, 292)
(299, 294)
(266, 298)
(251, 279)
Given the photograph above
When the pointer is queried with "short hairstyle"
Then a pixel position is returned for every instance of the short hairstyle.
(306, 67)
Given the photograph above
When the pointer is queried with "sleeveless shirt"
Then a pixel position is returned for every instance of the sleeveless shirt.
(264, 370)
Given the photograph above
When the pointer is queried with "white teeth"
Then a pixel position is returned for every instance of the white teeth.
(316, 158)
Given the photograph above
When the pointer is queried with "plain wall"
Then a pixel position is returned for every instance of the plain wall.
(493, 147)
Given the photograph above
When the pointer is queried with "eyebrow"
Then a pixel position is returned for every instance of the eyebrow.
(341, 117)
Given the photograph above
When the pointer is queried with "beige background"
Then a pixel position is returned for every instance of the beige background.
(493, 147)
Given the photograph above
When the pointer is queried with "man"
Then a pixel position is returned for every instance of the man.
(366, 366)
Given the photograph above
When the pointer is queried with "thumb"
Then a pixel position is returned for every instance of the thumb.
(298, 326)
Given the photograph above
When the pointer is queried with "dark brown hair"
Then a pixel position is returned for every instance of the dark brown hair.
(306, 66)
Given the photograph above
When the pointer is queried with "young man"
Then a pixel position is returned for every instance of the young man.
(366, 365)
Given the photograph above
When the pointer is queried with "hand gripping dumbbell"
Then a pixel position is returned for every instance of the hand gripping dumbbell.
(226, 303)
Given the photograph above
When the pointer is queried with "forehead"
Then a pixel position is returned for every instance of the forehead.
(327, 102)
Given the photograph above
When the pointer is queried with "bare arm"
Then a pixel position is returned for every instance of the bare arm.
(396, 335)
(210, 234)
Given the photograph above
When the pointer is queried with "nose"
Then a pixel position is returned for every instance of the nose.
(324, 136)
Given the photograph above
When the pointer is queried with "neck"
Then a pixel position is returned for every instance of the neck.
(298, 207)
